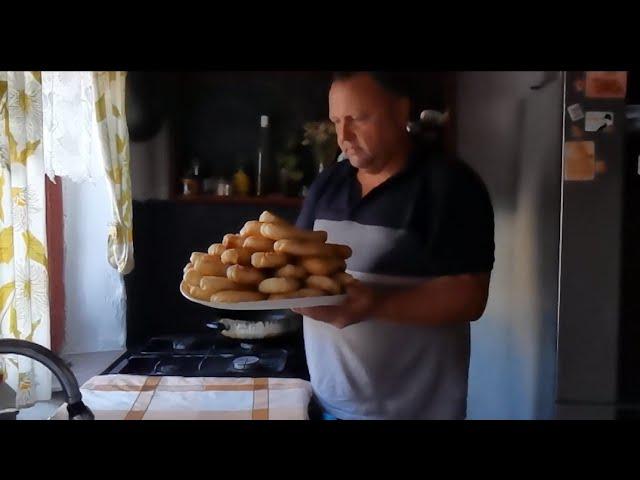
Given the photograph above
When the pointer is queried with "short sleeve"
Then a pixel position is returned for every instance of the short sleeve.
(464, 239)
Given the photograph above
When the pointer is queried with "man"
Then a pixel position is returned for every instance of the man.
(421, 230)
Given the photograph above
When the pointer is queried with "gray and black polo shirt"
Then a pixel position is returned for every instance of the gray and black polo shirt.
(432, 219)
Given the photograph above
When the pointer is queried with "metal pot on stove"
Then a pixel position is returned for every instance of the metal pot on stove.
(255, 325)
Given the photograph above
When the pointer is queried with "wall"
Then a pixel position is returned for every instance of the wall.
(94, 292)
(511, 135)
(95, 298)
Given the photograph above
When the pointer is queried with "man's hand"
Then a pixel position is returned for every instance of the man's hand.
(361, 301)
(443, 300)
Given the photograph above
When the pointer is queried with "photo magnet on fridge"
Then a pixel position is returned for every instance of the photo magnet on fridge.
(606, 84)
(579, 161)
(598, 121)
(575, 112)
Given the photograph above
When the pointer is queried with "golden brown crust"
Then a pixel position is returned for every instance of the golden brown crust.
(258, 243)
(302, 293)
(344, 279)
(279, 285)
(199, 293)
(211, 266)
(237, 296)
(268, 217)
(276, 231)
(231, 240)
(192, 277)
(323, 265)
(251, 228)
(217, 284)
(195, 256)
(301, 248)
(269, 259)
(292, 271)
(216, 249)
(245, 275)
(323, 283)
(236, 256)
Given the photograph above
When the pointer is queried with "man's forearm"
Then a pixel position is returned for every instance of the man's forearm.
(441, 301)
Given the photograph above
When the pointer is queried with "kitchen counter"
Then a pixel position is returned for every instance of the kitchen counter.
(141, 397)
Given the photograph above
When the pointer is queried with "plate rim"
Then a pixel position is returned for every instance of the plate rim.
(256, 305)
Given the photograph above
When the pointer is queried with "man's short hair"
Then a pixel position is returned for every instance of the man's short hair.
(398, 83)
(407, 85)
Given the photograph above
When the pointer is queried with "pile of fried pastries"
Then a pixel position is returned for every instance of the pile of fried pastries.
(269, 259)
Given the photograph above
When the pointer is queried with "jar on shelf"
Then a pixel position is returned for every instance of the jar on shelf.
(192, 181)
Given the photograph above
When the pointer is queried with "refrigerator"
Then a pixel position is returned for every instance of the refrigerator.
(560, 154)
(597, 374)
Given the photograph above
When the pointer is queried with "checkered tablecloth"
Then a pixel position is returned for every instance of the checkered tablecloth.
(138, 397)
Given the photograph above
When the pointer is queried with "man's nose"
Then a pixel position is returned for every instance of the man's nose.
(345, 132)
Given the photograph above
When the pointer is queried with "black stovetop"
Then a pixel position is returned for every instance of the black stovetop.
(167, 334)
(213, 355)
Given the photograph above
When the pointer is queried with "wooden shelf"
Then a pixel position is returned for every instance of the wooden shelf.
(274, 200)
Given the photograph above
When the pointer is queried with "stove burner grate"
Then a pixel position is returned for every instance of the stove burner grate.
(245, 363)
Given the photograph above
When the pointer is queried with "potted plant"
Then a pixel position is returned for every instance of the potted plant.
(290, 174)
(321, 137)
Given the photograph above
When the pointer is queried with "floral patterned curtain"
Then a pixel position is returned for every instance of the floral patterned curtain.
(85, 138)
(109, 91)
(24, 279)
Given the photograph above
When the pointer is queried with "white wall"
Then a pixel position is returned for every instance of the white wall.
(512, 371)
(95, 297)
(94, 291)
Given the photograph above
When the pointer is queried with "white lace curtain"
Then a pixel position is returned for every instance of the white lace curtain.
(70, 134)
(85, 138)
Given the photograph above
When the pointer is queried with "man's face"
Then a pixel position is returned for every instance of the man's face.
(369, 121)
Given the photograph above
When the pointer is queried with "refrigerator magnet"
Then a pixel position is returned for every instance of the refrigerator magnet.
(575, 112)
(579, 161)
(598, 121)
(606, 84)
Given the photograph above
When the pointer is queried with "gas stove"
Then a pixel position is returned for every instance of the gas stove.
(214, 356)
(169, 335)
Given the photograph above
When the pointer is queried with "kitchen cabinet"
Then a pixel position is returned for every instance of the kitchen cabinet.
(214, 117)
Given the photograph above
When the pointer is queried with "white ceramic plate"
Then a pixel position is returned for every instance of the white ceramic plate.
(273, 304)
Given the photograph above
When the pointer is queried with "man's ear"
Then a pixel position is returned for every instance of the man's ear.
(402, 110)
